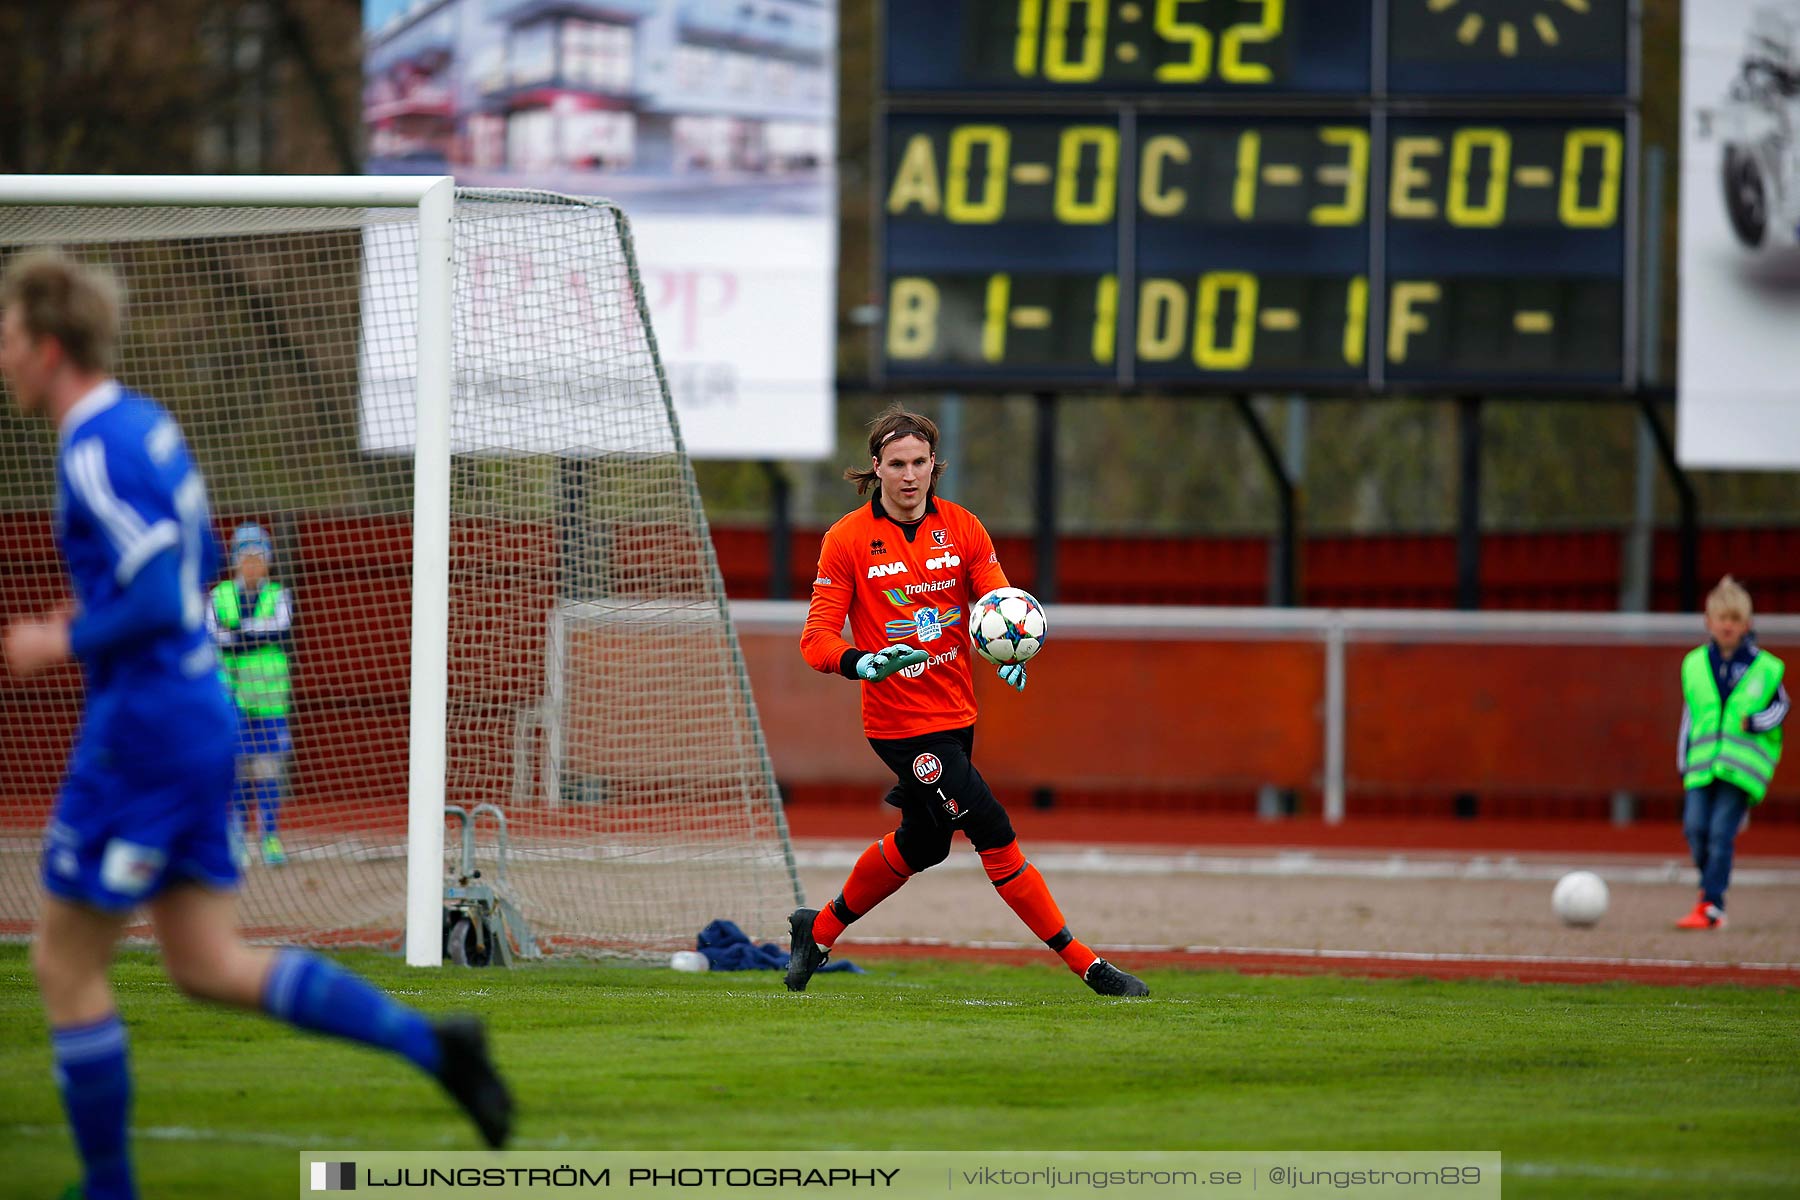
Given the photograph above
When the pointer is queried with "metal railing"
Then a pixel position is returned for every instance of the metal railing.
(1335, 630)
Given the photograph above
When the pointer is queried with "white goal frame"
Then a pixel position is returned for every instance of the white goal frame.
(434, 198)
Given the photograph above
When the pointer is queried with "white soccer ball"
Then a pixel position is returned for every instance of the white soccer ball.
(1579, 898)
(689, 960)
(1007, 626)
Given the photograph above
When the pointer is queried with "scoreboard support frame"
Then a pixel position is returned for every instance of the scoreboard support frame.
(1285, 561)
(1688, 503)
(1284, 568)
(1468, 502)
(1045, 500)
(781, 525)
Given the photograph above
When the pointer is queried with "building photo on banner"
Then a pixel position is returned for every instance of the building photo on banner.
(1740, 234)
(712, 125)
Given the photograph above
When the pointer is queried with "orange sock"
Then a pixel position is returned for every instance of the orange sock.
(877, 875)
(1026, 893)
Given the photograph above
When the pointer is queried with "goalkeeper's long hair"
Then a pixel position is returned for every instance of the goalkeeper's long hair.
(896, 421)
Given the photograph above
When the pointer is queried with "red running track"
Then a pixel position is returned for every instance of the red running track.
(1211, 831)
(1484, 836)
(1521, 969)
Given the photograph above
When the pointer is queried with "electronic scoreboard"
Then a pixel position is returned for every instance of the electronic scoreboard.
(1340, 194)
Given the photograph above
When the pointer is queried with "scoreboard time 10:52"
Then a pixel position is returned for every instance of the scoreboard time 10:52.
(1152, 236)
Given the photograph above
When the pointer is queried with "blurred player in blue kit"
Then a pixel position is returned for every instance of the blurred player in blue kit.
(142, 818)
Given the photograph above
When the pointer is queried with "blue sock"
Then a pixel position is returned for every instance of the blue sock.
(268, 803)
(314, 993)
(95, 1080)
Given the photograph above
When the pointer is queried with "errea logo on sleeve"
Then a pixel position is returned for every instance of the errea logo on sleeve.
(881, 569)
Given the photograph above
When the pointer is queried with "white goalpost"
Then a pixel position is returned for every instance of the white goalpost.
(447, 408)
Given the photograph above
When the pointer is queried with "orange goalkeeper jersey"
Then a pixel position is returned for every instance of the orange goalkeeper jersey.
(903, 585)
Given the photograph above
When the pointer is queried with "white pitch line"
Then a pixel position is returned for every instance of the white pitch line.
(1579, 1170)
(322, 1144)
(1306, 864)
(1313, 952)
(183, 1133)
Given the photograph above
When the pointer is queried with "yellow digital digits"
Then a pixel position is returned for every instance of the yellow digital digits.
(1226, 310)
(1232, 67)
(1482, 176)
(915, 304)
(996, 315)
(968, 194)
(1489, 209)
(1065, 41)
(1356, 322)
(1098, 207)
(1468, 180)
(1197, 66)
(1605, 211)
(1213, 321)
(1106, 319)
(999, 314)
(1351, 174)
(1407, 300)
(1157, 198)
(1044, 40)
(1211, 351)
(912, 317)
(1217, 344)
(990, 206)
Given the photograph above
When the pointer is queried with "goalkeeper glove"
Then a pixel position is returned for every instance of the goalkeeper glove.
(1014, 675)
(885, 661)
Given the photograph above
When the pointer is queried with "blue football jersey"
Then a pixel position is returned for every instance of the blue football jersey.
(127, 492)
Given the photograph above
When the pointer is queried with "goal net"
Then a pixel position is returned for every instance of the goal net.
(592, 691)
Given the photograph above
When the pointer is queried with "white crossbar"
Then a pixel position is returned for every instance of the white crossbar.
(275, 191)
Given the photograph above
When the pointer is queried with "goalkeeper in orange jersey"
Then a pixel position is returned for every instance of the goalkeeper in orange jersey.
(905, 568)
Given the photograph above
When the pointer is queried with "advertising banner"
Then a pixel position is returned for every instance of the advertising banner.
(712, 124)
(1739, 404)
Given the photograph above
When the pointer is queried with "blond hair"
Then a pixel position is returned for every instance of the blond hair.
(1729, 598)
(59, 298)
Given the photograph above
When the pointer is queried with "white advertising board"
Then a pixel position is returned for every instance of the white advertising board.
(1739, 399)
(712, 123)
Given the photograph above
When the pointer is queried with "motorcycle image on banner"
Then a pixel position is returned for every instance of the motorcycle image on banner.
(1740, 235)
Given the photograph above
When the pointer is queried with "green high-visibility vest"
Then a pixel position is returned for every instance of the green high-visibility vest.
(1718, 745)
(256, 675)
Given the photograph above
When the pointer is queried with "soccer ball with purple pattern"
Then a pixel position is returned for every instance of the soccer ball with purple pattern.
(1007, 626)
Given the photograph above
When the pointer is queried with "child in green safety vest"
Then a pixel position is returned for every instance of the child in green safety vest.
(1729, 743)
(251, 617)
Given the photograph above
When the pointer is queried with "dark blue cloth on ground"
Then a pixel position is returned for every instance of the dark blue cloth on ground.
(728, 948)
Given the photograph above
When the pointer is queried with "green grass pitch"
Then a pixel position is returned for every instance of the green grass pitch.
(1588, 1091)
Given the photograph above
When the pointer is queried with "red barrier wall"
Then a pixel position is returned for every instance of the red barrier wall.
(1570, 571)
(1531, 730)
(1538, 720)
(1534, 730)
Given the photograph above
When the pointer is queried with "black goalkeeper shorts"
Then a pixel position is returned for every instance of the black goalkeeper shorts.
(938, 792)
